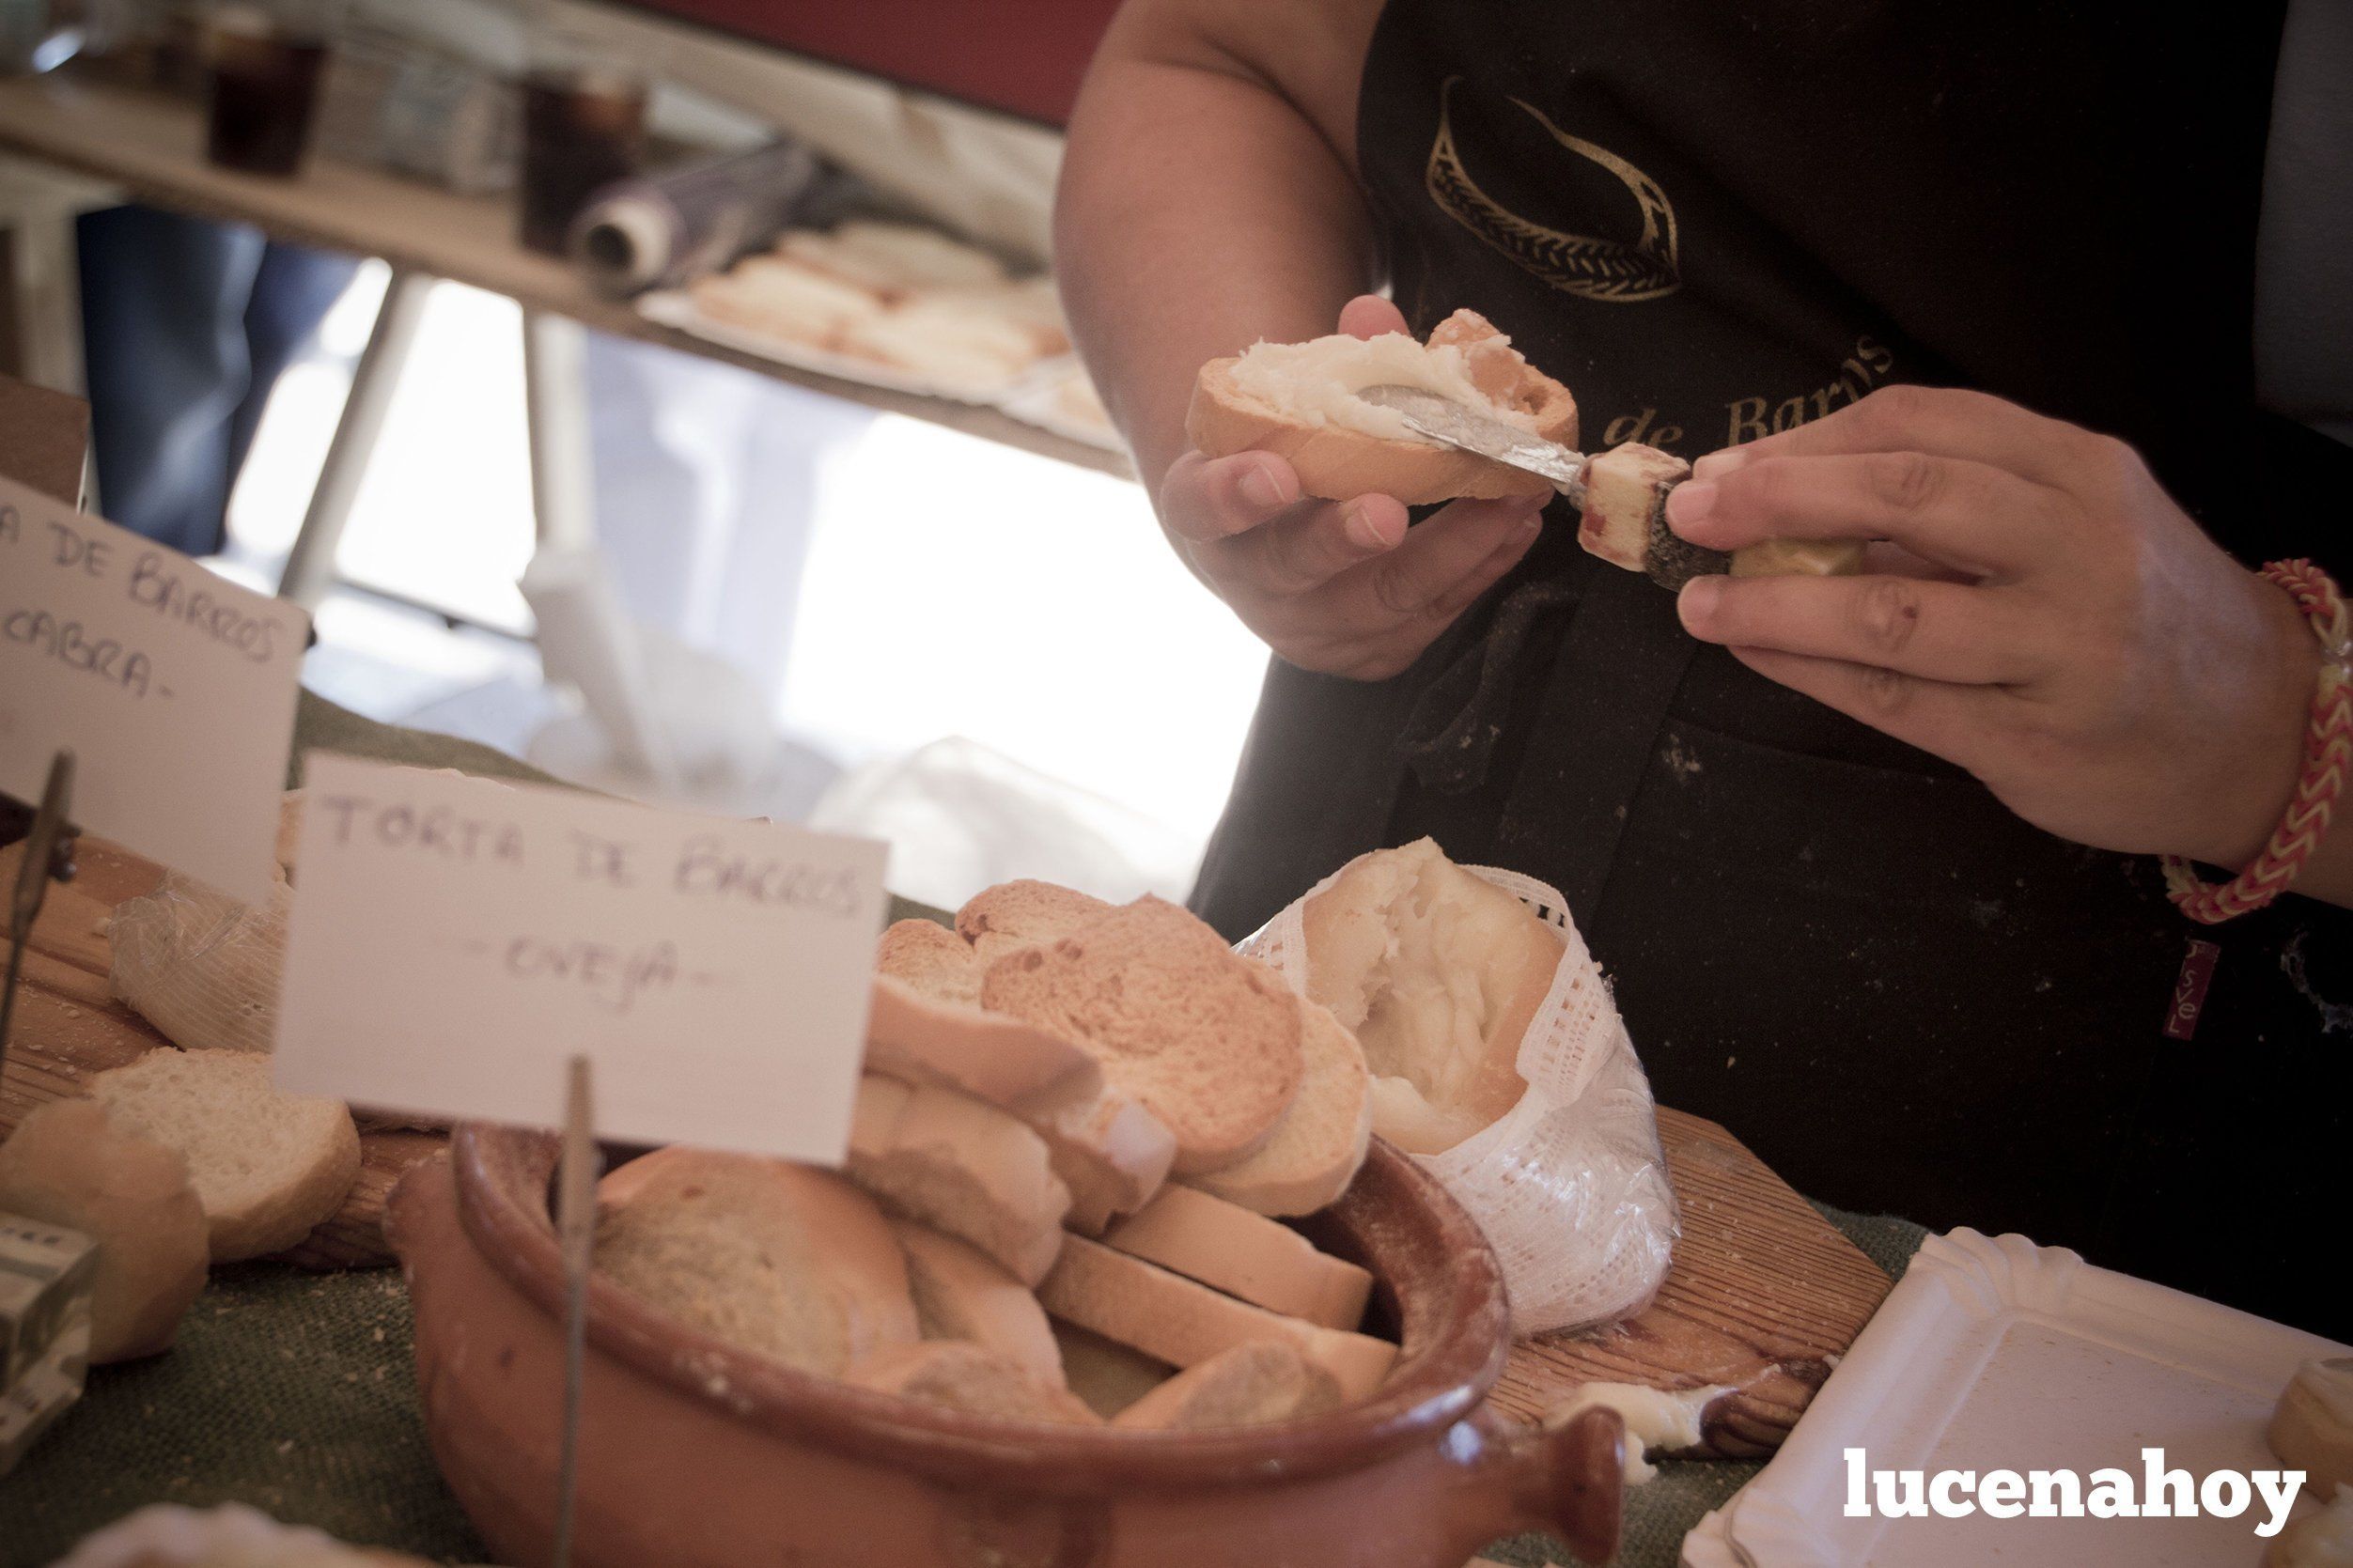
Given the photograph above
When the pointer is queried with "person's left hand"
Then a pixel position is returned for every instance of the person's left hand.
(2108, 671)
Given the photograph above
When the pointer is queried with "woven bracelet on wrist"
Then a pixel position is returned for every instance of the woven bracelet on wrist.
(2327, 763)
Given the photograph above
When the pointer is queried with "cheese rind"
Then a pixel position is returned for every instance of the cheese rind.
(1625, 519)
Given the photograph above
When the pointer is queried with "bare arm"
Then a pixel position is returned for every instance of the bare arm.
(1208, 200)
(1208, 197)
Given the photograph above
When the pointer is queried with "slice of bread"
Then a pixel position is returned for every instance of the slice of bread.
(1111, 1153)
(961, 1294)
(968, 1377)
(1023, 913)
(960, 1165)
(1109, 1375)
(1298, 400)
(1004, 1061)
(67, 1164)
(774, 1258)
(1208, 1041)
(946, 341)
(782, 299)
(168, 1535)
(200, 966)
(1439, 973)
(1265, 1380)
(1320, 1141)
(932, 959)
(267, 1167)
(891, 260)
(1184, 1323)
(1261, 1261)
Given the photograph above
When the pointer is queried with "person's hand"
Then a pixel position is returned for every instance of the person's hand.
(1342, 587)
(2089, 653)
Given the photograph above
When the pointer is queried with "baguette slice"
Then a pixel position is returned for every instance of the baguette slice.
(1261, 1261)
(1023, 913)
(1004, 1061)
(968, 1377)
(267, 1167)
(200, 966)
(961, 1294)
(67, 1164)
(774, 1258)
(1298, 400)
(1439, 973)
(965, 1166)
(1111, 1153)
(1207, 1040)
(1178, 1321)
(1265, 1380)
(1320, 1145)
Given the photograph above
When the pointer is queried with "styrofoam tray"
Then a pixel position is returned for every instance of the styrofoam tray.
(1993, 1353)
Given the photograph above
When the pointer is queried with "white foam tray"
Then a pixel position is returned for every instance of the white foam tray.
(1993, 1353)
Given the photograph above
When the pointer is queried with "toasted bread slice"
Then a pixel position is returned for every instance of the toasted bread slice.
(1004, 1061)
(1261, 1261)
(267, 1166)
(1208, 1041)
(960, 1165)
(931, 958)
(1183, 1323)
(968, 1377)
(962, 1294)
(1298, 401)
(1265, 1380)
(1321, 1143)
(774, 1258)
(1023, 913)
(1112, 1153)
(1109, 1375)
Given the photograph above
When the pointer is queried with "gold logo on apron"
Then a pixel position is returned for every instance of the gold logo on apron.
(1615, 272)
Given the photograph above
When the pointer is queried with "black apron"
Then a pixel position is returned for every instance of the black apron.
(1713, 221)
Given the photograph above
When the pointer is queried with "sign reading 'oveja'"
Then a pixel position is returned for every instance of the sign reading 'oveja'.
(174, 687)
(456, 941)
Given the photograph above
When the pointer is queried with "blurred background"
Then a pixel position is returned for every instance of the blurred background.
(669, 394)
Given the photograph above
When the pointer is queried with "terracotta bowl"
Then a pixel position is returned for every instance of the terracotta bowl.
(697, 1455)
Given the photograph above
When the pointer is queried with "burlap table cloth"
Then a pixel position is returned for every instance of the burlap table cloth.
(295, 1393)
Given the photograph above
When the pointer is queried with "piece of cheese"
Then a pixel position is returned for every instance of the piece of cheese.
(2313, 1427)
(1624, 520)
(1798, 558)
(1655, 1418)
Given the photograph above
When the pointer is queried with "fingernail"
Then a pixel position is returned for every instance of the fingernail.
(1362, 531)
(1689, 503)
(1259, 489)
(1697, 601)
(1715, 465)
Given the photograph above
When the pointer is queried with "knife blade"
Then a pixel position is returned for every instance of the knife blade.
(1441, 419)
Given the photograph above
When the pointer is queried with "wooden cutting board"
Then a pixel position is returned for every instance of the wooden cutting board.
(68, 1027)
(1764, 1295)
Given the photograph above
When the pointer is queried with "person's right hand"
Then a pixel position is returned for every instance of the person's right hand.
(1341, 587)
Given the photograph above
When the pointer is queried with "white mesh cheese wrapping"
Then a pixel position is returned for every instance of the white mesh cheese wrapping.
(1570, 1186)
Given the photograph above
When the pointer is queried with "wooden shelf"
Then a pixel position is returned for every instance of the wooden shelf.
(153, 146)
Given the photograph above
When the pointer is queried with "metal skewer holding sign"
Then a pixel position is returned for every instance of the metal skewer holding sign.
(576, 1234)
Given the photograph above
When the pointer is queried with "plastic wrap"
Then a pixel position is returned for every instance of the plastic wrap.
(1570, 1186)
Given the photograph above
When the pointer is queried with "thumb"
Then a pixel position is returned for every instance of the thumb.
(1369, 316)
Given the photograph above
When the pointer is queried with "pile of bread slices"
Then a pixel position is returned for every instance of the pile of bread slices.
(1078, 1126)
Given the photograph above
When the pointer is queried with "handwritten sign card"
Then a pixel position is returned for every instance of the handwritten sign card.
(174, 687)
(456, 941)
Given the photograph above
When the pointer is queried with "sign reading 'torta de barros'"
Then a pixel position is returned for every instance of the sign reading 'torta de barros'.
(456, 941)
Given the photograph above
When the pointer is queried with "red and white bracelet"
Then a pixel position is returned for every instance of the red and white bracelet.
(2327, 763)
